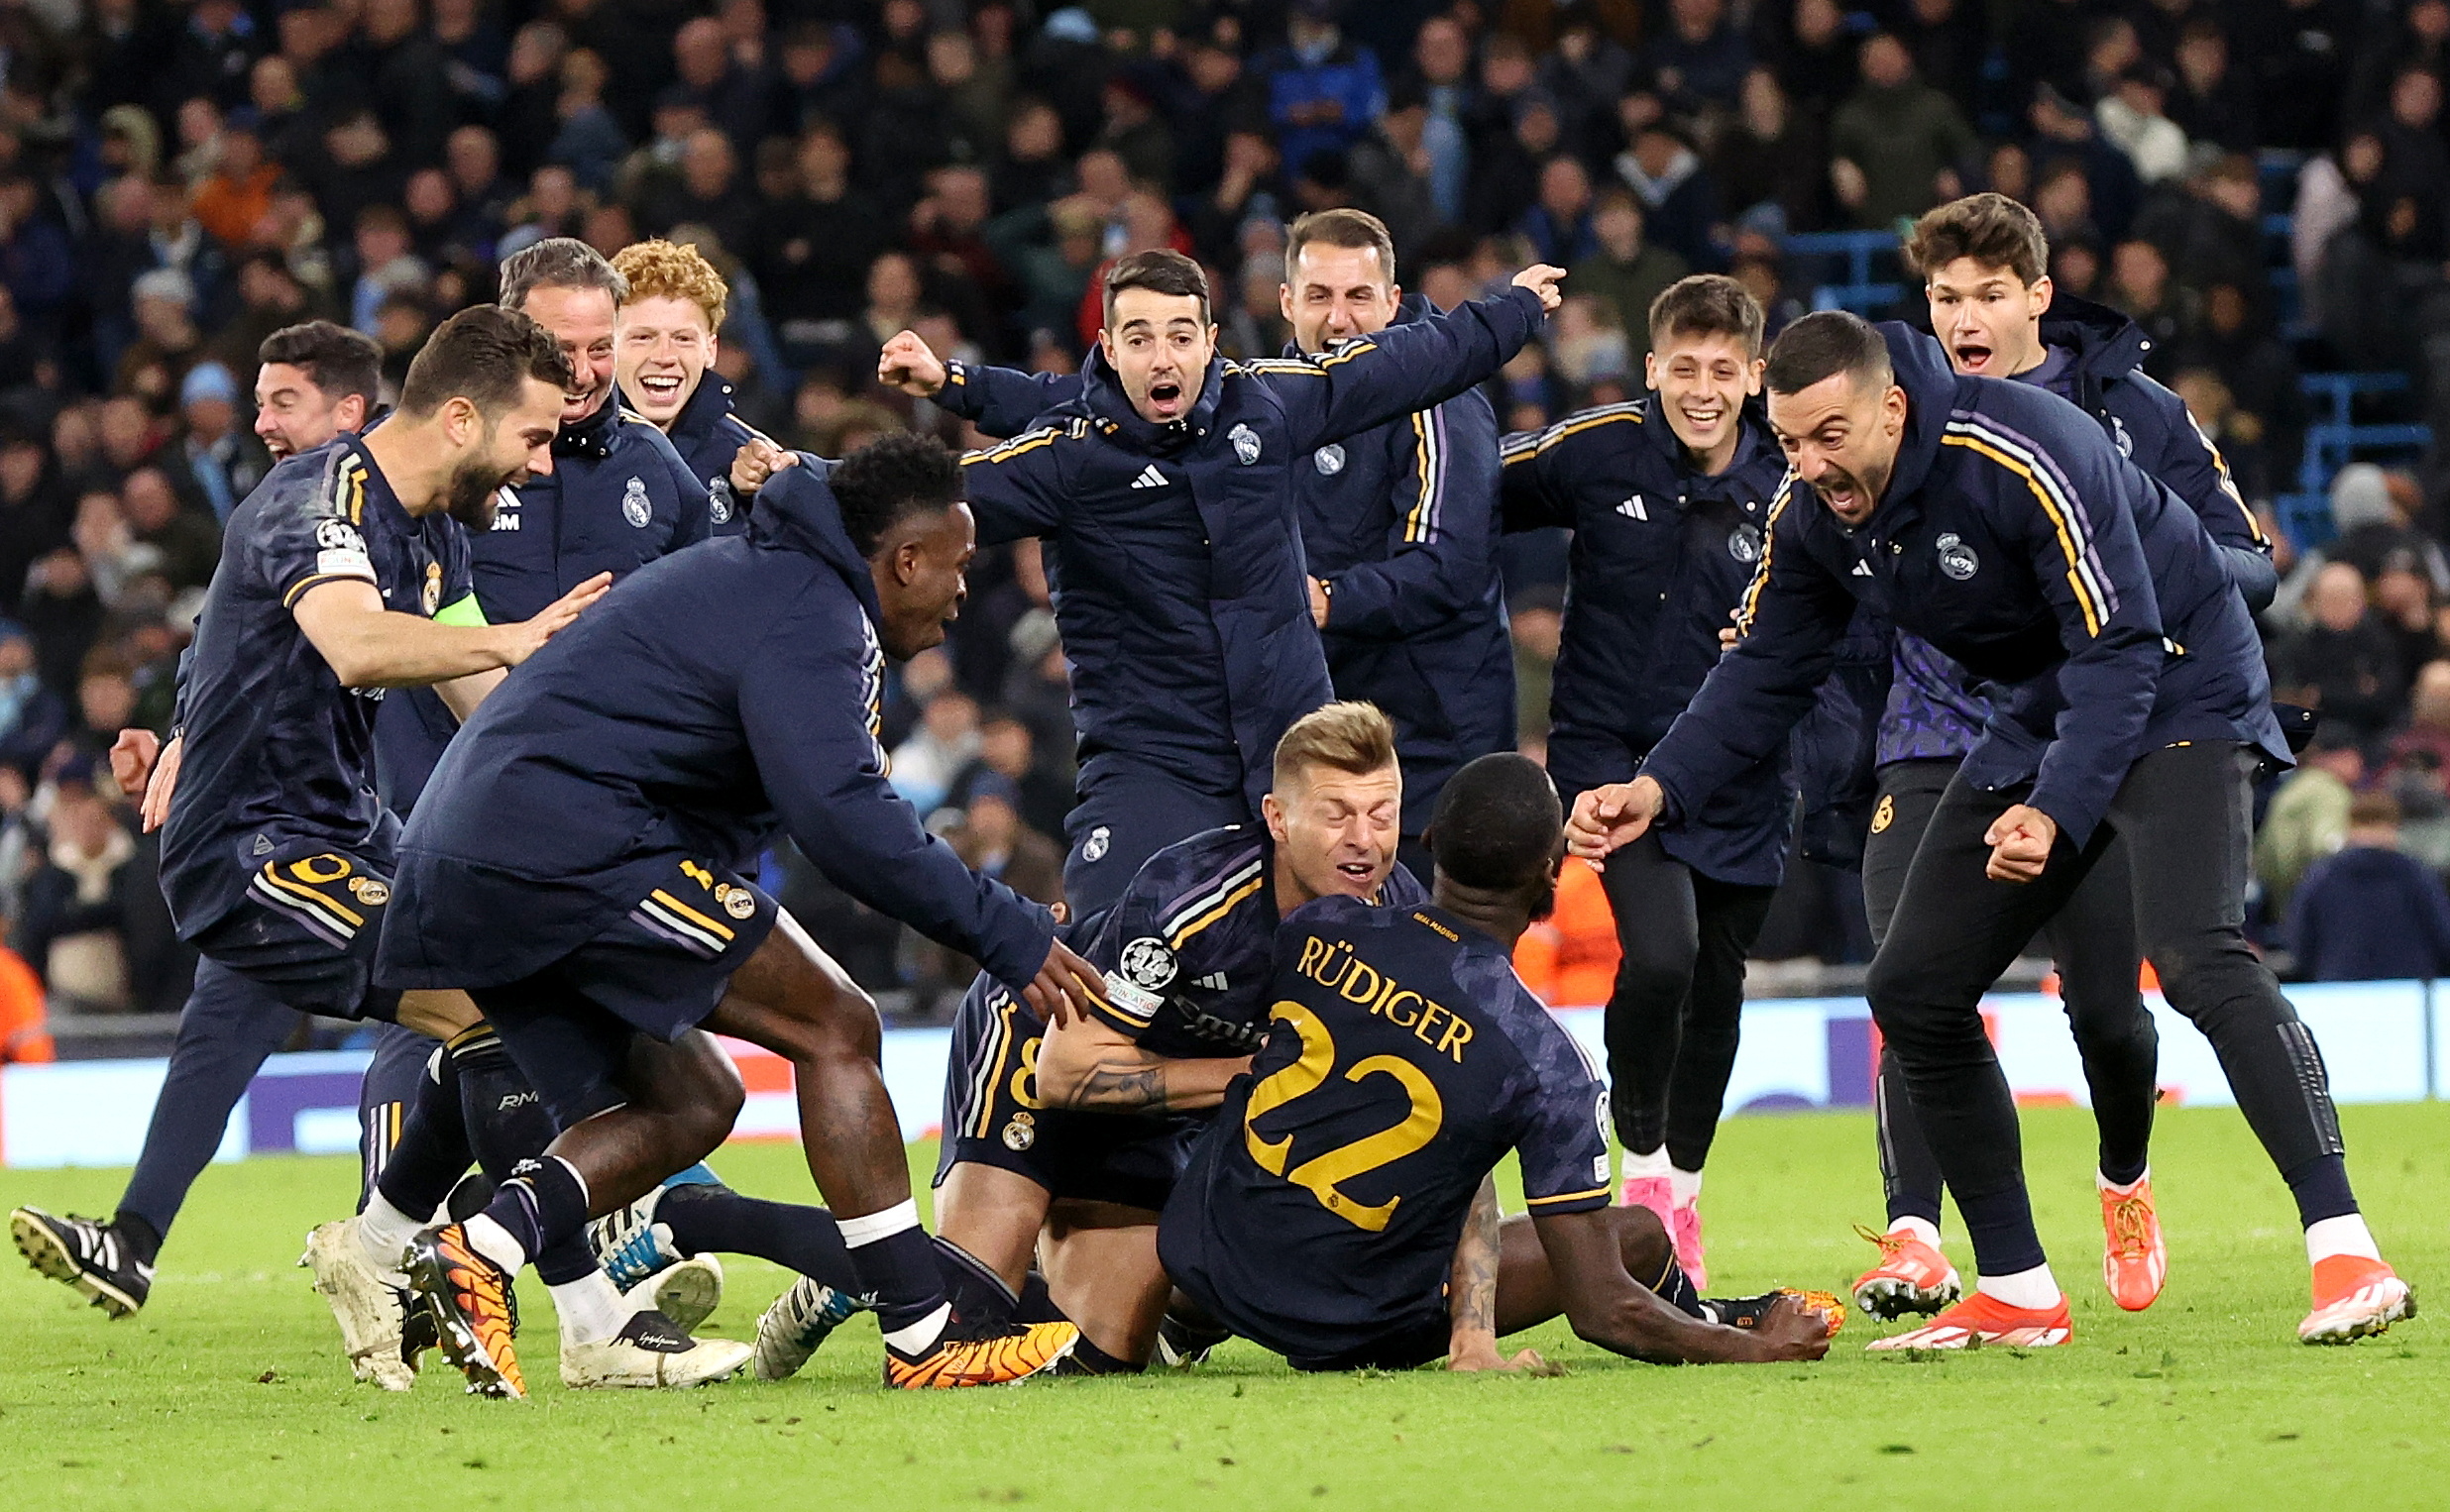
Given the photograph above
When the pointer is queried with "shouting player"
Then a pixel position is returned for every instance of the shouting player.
(1667, 497)
(1173, 534)
(1326, 1209)
(2000, 524)
(1984, 261)
(577, 868)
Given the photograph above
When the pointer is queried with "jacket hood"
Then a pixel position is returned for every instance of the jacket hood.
(1103, 400)
(1923, 371)
(2106, 344)
(706, 407)
(796, 512)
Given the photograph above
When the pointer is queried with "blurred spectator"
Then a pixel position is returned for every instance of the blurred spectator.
(1679, 198)
(2343, 662)
(32, 716)
(2370, 913)
(77, 900)
(1322, 90)
(2427, 739)
(188, 543)
(1769, 163)
(946, 741)
(222, 460)
(2134, 118)
(1558, 224)
(25, 1031)
(1625, 271)
(992, 841)
(1538, 626)
(1041, 792)
(2211, 102)
(2308, 816)
(1698, 60)
(1898, 142)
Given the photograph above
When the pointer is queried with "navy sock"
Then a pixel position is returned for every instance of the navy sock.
(2321, 1187)
(1675, 1288)
(542, 1206)
(2000, 1224)
(432, 1149)
(706, 1219)
(385, 1094)
(565, 1260)
(896, 1264)
(508, 1123)
(142, 1238)
(1092, 1360)
(977, 1293)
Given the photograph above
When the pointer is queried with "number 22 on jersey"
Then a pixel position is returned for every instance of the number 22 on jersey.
(1323, 1173)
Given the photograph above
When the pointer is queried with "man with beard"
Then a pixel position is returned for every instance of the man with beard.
(338, 580)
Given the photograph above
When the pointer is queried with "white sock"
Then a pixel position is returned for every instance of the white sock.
(1921, 1228)
(589, 1309)
(2345, 1235)
(868, 1227)
(2115, 1190)
(2035, 1289)
(494, 1241)
(1686, 1185)
(384, 1233)
(1636, 1166)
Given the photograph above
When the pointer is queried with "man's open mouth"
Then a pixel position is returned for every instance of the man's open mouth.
(657, 386)
(1973, 356)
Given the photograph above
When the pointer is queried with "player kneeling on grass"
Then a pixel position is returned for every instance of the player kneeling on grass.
(1338, 1209)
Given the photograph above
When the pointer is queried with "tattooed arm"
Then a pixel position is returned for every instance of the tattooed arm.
(1471, 1290)
(1089, 1064)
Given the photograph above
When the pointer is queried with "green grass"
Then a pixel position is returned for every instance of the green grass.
(228, 1390)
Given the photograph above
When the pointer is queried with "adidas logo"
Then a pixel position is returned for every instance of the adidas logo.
(1861, 570)
(1633, 509)
(1214, 981)
(1149, 477)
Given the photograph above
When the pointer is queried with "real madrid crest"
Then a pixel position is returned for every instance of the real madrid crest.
(2118, 433)
(738, 901)
(1885, 816)
(1328, 459)
(369, 891)
(634, 506)
(432, 598)
(1094, 847)
(1246, 444)
(1743, 543)
(1957, 558)
(719, 500)
(1021, 1132)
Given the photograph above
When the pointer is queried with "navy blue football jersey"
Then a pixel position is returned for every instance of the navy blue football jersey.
(1322, 1207)
(1186, 949)
(275, 749)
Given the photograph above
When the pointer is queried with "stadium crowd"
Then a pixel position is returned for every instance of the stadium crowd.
(178, 181)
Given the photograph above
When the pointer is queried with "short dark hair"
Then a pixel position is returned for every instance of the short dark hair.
(558, 261)
(336, 360)
(484, 354)
(889, 480)
(1992, 228)
(1824, 343)
(1497, 823)
(1352, 228)
(1707, 304)
(1161, 271)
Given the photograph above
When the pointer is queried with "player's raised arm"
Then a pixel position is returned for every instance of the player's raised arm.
(1016, 489)
(1000, 401)
(1411, 366)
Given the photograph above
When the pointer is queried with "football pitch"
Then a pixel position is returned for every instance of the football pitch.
(228, 1389)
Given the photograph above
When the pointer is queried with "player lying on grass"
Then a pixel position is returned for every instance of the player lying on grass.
(573, 866)
(1328, 1210)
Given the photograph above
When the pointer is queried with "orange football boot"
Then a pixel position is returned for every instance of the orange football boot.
(2355, 1297)
(1014, 1354)
(1912, 1277)
(1985, 1320)
(469, 1298)
(2135, 1261)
